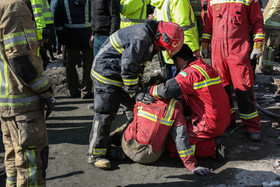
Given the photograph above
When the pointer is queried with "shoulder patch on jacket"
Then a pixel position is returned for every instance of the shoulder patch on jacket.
(184, 74)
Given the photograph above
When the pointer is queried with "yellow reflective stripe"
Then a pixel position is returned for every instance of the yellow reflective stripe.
(146, 115)
(40, 82)
(4, 77)
(271, 11)
(105, 80)
(19, 38)
(18, 100)
(248, 116)
(39, 33)
(99, 151)
(166, 122)
(245, 2)
(258, 36)
(167, 119)
(131, 81)
(187, 152)
(170, 109)
(115, 44)
(205, 83)
(206, 36)
(155, 94)
(32, 166)
(201, 71)
(232, 110)
(268, 62)
(11, 178)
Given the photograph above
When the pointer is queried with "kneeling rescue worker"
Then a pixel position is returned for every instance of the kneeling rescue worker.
(144, 139)
(199, 85)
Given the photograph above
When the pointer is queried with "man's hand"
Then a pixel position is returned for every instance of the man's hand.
(91, 39)
(205, 50)
(257, 50)
(201, 171)
(145, 98)
(50, 102)
(196, 54)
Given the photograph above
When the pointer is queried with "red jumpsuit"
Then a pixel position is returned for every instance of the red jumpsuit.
(228, 25)
(145, 137)
(201, 88)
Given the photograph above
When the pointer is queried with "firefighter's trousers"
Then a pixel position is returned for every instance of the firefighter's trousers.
(107, 100)
(26, 149)
(231, 60)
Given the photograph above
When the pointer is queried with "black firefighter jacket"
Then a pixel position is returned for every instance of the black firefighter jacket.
(123, 55)
(72, 23)
(105, 16)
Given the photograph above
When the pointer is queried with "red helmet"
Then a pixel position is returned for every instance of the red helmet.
(170, 36)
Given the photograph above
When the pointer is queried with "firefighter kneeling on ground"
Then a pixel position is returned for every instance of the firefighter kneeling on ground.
(204, 95)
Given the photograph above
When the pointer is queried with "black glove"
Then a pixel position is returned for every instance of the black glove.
(50, 102)
(145, 98)
(201, 171)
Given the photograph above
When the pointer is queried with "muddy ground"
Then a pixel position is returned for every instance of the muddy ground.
(247, 163)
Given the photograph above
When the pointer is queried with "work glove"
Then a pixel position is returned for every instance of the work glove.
(50, 102)
(257, 50)
(201, 171)
(205, 50)
(145, 98)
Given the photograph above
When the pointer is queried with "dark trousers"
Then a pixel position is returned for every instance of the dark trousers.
(107, 100)
(72, 58)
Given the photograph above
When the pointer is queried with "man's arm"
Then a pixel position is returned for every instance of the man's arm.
(21, 45)
(168, 90)
(114, 8)
(185, 150)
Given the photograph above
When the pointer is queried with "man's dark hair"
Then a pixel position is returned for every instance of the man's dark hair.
(185, 53)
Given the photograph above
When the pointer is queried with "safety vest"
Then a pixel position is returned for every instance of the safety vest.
(271, 15)
(178, 11)
(47, 14)
(133, 12)
(37, 7)
(152, 123)
(70, 24)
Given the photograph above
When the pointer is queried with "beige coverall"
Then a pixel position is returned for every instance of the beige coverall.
(23, 88)
(271, 17)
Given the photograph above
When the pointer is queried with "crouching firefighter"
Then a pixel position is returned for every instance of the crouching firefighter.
(205, 101)
(25, 89)
(144, 139)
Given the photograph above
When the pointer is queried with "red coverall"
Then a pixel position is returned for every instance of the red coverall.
(228, 24)
(144, 138)
(201, 88)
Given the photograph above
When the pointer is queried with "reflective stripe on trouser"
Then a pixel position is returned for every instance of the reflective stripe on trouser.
(234, 67)
(247, 110)
(107, 99)
(25, 165)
